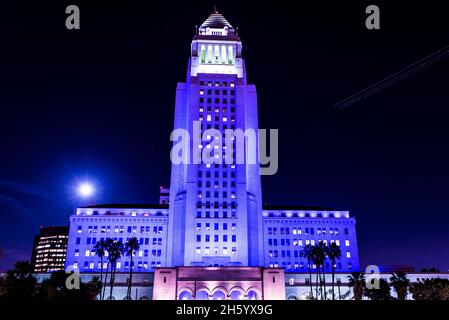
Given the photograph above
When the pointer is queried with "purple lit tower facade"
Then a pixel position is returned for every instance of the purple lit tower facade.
(212, 216)
(215, 207)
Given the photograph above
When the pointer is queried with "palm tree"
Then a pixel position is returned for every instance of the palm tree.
(400, 283)
(108, 243)
(325, 253)
(307, 253)
(334, 254)
(131, 246)
(319, 256)
(100, 250)
(382, 293)
(115, 251)
(357, 280)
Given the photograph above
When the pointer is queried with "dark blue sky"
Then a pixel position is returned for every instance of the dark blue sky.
(98, 103)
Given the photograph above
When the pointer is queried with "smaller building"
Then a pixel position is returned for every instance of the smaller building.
(49, 249)
(164, 196)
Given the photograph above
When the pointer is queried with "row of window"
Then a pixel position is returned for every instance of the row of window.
(140, 253)
(207, 174)
(142, 241)
(140, 265)
(216, 226)
(207, 238)
(121, 229)
(299, 231)
(290, 253)
(216, 92)
(217, 54)
(216, 126)
(217, 100)
(301, 266)
(216, 109)
(216, 119)
(224, 184)
(216, 214)
(298, 242)
(215, 250)
(216, 205)
(217, 84)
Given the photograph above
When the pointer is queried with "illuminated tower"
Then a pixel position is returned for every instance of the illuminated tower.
(215, 209)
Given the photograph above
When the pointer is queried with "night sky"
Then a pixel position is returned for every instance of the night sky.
(97, 104)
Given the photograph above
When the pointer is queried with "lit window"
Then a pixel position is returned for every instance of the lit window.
(207, 250)
(348, 254)
(230, 56)
(203, 54)
(223, 54)
(209, 118)
(198, 250)
(201, 92)
(87, 253)
(209, 54)
(347, 243)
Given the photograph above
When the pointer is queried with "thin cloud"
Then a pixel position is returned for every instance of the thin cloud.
(22, 187)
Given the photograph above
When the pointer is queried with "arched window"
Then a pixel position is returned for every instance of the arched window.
(219, 295)
(236, 295)
(185, 295)
(202, 295)
(252, 295)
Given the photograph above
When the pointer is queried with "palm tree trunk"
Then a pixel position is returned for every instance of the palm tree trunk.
(101, 274)
(321, 281)
(324, 282)
(105, 281)
(310, 281)
(130, 278)
(316, 285)
(333, 281)
(112, 280)
(339, 293)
